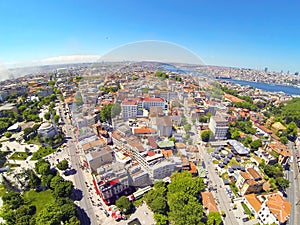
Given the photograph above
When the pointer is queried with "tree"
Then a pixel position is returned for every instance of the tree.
(42, 167)
(7, 134)
(34, 180)
(105, 113)
(214, 218)
(124, 204)
(156, 202)
(47, 116)
(187, 127)
(235, 135)
(256, 144)
(184, 209)
(206, 135)
(160, 219)
(13, 199)
(63, 165)
(61, 187)
(284, 140)
(50, 215)
(282, 182)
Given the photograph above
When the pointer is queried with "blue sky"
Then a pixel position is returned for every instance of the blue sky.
(252, 34)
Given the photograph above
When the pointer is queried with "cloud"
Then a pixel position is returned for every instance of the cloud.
(67, 59)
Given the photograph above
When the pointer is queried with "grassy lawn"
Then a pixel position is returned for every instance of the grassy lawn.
(209, 150)
(233, 162)
(42, 152)
(19, 156)
(38, 199)
(246, 209)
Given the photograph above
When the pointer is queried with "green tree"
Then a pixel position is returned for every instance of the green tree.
(184, 209)
(7, 134)
(124, 204)
(235, 135)
(160, 219)
(282, 182)
(34, 180)
(206, 135)
(13, 199)
(42, 167)
(61, 187)
(214, 218)
(256, 144)
(284, 140)
(63, 165)
(187, 127)
(105, 113)
(50, 215)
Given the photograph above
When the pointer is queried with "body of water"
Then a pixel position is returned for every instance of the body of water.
(290, 90)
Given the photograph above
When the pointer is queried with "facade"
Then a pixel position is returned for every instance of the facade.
(219, 127)
(131, 106)
(164, 126)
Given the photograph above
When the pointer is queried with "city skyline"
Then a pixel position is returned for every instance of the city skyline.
(251, 35)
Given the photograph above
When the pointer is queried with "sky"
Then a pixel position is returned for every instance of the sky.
(249, 34)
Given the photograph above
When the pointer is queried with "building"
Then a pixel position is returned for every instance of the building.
(275, 209)
(249, 182)
(164, 126)
(47, 130)
(113, 182)
(219, 127)
(209, 202)
(132, 107)
(99, 158)
(138, 177)
(129, 108)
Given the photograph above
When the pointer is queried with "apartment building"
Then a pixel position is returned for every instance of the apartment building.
(219, 127)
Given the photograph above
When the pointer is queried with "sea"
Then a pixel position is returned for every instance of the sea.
(289, 90)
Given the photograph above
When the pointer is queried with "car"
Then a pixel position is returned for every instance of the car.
(245, 219)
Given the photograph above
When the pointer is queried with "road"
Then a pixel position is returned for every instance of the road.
(79, 177)
(293, 191)
(224, 202)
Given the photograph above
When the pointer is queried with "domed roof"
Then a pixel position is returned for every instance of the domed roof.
(45, 126)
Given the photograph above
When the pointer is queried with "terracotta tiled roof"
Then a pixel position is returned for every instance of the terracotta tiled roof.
(254, 201)
(92, 144)
(167, 153)
(153, 100)
(254, 173)
(245, 175)
(143, 130)
(209, 202)
(193, 168)
(280, 149)
(280, 207)
(233, 98)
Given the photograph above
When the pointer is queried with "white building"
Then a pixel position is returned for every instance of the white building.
(219, 127)
(131, 106)
(47, 130)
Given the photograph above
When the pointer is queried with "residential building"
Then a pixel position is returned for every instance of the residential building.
(96, 159)
(219, 127)
(275, 209)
